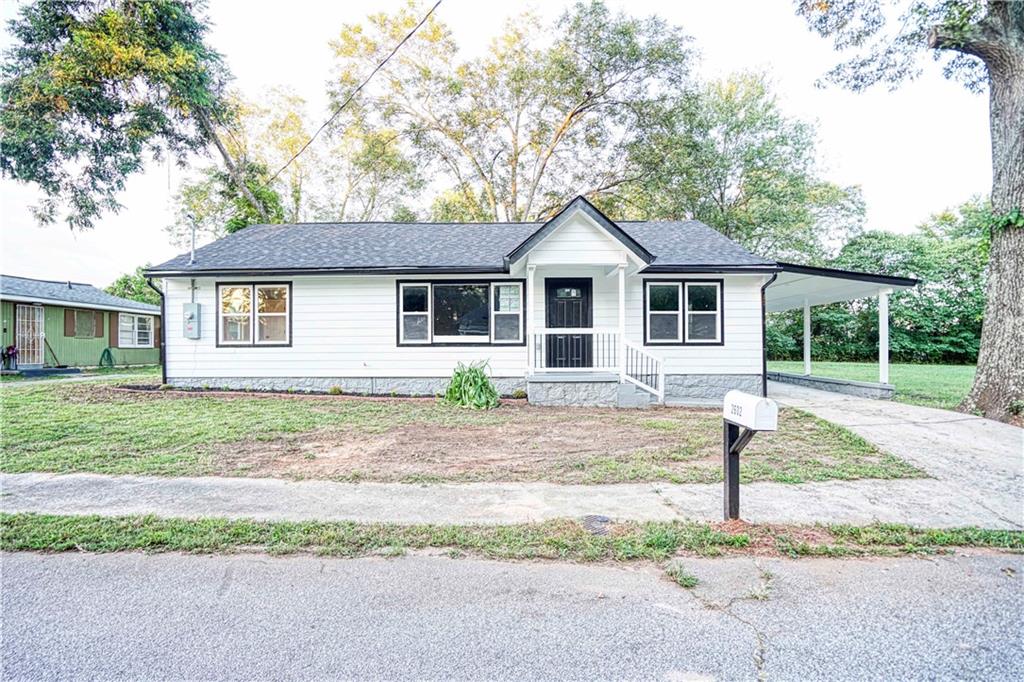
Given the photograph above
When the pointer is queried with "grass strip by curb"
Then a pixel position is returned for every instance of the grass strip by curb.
(564, 539)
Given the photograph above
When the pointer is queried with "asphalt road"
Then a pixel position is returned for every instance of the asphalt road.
(257, 617)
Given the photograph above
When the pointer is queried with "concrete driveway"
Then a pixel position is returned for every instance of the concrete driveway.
(978, 459)
(133, 616)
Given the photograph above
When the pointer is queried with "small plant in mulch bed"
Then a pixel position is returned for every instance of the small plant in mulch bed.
(471, 387)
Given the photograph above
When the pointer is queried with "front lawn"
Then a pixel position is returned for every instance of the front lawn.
(97, 427)
(152, 371)
(929, 385)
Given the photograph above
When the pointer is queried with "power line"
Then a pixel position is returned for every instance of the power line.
(352, 94)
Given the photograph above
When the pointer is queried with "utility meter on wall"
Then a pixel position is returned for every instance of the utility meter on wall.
(190, 313)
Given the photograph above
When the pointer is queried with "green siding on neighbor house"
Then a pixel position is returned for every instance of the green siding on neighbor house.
(75, 351)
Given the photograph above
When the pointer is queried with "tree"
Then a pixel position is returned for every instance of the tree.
(938, 321)
(132, 285)
(91, 88)
(733, 160)
(982, 45)
(546, 114)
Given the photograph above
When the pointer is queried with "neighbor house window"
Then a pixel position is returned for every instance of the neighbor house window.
(254, 314)
(85, 324)
(683, 312)
(703, 312)
(664, 317)
(134, 331)
(460, 312)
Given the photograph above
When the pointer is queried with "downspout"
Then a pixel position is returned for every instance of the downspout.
(764, 338)
(163, 328)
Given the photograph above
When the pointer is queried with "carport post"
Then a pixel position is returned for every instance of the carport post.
(883, 335)
(807, 338)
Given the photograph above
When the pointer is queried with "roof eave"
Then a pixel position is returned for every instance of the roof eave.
(890, 280)
(278, 272)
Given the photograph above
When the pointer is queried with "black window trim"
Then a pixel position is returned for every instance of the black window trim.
(483, 281)
(682, 310)
(252, 340)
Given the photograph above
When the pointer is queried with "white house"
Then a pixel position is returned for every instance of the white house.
(576, 310)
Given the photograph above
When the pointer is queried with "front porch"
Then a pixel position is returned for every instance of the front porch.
(578, 351)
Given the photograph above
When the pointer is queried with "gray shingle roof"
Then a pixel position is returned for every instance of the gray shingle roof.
(453, 246)
(85, 295)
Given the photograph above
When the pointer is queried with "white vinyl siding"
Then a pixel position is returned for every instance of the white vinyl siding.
(347, 327)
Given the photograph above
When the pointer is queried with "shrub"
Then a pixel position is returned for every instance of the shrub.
(335, 390)
(519, 394)
(471, 387)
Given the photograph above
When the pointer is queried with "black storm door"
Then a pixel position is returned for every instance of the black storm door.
(569, 305)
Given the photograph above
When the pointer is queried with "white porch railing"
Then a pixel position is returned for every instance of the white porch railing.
(596, 350)
(644, 370)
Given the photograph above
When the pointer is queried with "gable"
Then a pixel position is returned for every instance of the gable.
(580, 233)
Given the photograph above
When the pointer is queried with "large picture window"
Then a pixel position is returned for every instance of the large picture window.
(254, 314)
(683, 312)
(134, 331)
(446, 312)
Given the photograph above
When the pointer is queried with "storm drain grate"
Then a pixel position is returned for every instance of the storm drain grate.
(597, 524)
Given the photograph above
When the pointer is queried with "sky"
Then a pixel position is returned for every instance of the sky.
(914, 151)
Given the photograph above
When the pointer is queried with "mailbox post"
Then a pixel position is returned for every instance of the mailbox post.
(743, 415)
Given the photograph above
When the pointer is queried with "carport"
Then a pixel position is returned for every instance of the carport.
(804, 286)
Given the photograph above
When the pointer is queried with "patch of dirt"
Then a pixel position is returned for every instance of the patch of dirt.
(530, 444)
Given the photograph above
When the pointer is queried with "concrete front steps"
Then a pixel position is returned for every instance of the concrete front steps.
(585, 389)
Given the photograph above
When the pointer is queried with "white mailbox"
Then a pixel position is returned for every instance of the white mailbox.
(751, 411)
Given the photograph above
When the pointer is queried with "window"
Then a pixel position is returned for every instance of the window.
(664, 319)
(414, 320)
(85, 324)
(508, 313)
(254, 314)
(134, 331)
(460, 312)
(684, 312)
(703, 312)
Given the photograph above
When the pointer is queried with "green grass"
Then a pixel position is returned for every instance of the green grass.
(87, 427)
(929, 385)
(565, 540)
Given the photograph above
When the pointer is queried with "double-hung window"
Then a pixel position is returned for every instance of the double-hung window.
(703, 312)
(134, 331)
(444, 312)
(683, 312)
(664, 318)
(254, 314)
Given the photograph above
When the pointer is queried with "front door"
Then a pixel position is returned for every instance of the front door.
(29, 334)
(568, 305)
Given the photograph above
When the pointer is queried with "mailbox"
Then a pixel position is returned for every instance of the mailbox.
(190, 320)
(751, 411)
(743, 415)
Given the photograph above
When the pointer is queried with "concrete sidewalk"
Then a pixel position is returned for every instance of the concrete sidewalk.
(920, 502)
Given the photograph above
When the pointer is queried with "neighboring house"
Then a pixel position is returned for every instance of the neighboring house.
(68, 324)
(575, 310)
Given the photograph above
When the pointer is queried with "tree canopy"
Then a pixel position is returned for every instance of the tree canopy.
(132, 285)
(91, 89)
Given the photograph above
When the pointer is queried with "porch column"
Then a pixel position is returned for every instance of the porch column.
(807, 338)
(620, 344)
(883, 335)
(531, 343)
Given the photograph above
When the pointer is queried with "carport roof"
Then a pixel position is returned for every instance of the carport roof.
(797, 285)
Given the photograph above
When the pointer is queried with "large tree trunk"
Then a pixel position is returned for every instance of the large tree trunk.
(1000, 377)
